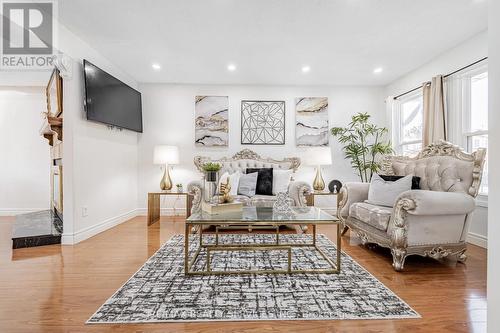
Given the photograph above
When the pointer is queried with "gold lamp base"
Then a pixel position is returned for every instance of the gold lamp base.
(166, 181)
(318, 183)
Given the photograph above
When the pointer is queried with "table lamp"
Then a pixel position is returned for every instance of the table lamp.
(166, 155)
(319, 157)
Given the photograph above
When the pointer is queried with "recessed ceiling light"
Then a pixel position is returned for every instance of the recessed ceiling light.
(306, 69)
(378, 70)
(156, 66)
(231, 67)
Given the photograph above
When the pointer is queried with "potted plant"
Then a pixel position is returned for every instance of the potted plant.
(179, 188)
(363, 143)
(211, 170)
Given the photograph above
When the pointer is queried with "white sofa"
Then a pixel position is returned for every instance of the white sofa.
(242, 160)
(431, 222)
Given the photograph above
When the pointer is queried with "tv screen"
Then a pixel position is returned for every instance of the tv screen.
(110, 101)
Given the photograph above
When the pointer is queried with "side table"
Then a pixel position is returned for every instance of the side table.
(154, 204)
(310, 197)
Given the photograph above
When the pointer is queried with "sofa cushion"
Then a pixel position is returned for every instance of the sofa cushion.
(248, 184)
(373, 215)
(234, 180)
(281, 180)
(385, 193)
(264, 180)
(415, 181)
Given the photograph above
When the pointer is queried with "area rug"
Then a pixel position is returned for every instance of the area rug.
(159, 291)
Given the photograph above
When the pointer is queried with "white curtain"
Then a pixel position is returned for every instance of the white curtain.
(392, 108)
(453, 107)
(434, 128)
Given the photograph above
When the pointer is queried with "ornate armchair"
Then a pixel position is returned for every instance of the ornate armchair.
(242, 160)
(431, 222)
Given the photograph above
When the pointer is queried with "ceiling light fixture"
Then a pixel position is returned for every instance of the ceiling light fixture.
(156, 66)
(306, 69)
(378, 70)
(231, 67)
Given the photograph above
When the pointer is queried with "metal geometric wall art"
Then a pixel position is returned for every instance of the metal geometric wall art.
(262, 122)
(311, 121)
(211, 121)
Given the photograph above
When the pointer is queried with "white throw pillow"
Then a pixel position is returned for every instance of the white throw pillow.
(248, 184)
(281, 180)
(234, 181)
(385, 193)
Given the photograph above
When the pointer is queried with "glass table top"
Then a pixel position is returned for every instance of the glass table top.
(302, 215)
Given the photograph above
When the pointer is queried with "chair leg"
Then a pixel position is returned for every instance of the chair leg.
(344, 230)
(398, 259)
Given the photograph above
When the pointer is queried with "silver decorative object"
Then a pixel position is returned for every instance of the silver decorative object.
(282, 204)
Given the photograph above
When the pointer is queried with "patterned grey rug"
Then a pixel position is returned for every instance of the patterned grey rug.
(159, 291)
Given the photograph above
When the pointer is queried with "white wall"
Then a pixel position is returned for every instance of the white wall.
(463, 54)
(168, 112)
(25, 167)
(100, 165)
(494, 160)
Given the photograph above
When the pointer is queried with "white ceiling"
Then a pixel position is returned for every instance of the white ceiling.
(271, 40)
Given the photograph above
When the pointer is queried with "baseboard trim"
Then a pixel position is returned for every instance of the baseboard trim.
(17, 211)
(477, 239)
(81, 235)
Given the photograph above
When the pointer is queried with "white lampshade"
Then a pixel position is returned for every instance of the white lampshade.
(319, 156)
(166, 155)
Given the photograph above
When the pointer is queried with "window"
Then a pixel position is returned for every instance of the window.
(467, 105)
(475, 116)
(408, 117)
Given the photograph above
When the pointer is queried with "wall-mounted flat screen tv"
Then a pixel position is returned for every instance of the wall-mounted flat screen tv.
(110, 101)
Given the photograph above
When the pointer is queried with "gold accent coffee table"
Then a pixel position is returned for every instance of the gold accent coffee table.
(255, 218)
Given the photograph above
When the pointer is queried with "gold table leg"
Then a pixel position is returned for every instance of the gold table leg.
(334, 267)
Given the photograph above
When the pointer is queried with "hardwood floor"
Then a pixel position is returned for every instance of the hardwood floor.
(57, 288)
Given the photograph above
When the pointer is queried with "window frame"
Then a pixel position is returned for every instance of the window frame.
(397, 139)
(464, 122)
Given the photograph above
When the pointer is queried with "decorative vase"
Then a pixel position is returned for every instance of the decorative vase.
(211, 176)
(209, 186)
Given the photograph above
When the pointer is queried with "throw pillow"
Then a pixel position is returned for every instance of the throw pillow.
(385, 193)
(415, 181)
(248, 184)
(234, 180)
(264, 180)
(281, 180)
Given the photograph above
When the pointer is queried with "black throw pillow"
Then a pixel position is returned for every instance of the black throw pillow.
(264, 180)
(415, 181)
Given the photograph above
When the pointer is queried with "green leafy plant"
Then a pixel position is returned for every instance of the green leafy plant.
(363, 142)
(210, 166)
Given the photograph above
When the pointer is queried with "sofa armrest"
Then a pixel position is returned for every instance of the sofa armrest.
(438, 203)
(298, 190)
(350, 193)
(195, 188)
